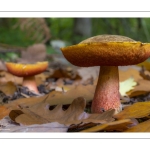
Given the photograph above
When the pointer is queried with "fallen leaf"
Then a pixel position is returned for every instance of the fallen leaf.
(4, 111)
(126, 86)
(8, 88)
(120, 125)
(142, 88)
(40, 113)
(137, 110)
(8, 126)
(6, 77)
(142, 127)
(54, 98)
(126, 74)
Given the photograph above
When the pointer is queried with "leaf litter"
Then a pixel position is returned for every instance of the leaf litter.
(75, 114)
(64, 102)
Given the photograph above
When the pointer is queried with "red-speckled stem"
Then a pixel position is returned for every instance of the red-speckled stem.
(107, 90)
(30, 83)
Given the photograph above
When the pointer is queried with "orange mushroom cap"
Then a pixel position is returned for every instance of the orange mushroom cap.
(107, 50)
(25, 70)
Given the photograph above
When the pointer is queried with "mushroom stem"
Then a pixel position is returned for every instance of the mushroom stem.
(107, 94)
(30, 82)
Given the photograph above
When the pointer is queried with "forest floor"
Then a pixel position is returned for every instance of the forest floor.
(63, 103)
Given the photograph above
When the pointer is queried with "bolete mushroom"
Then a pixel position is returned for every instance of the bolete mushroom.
(109, 52)
(28, 72)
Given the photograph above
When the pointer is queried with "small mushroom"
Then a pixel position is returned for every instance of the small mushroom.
(109, 52)
(28, 72)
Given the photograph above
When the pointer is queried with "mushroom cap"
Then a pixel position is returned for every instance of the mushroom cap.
(107, 50)
(25, 70)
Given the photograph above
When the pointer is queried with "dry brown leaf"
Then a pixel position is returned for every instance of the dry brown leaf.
(6, 77)
(6, 108)
(40, 114)
(8, 126)
(124, 75)
(120, 125)
(142, 127)
(137, 110)
(142, 88)
(104, 117)
(54, 98)
(66, 98)
(8, 88)
(4, 111)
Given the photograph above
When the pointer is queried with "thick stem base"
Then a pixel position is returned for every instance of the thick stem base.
(107, 90)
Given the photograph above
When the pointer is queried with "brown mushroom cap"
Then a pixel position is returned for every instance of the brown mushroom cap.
(25, 70)
(107, 50)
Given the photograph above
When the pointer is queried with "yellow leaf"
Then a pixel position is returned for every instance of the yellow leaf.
(126, 86)
(142, 127)
(119, 125)
(137, 110)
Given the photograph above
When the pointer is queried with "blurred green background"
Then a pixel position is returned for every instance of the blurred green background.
(23, 32)
(64, 29)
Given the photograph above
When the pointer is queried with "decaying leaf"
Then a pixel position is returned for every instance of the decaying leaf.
(126, 86)
(137, 110)
(40, 114)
